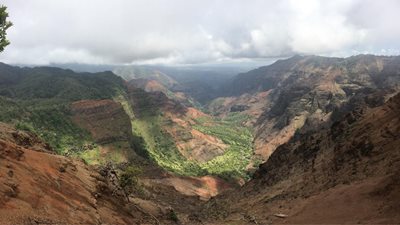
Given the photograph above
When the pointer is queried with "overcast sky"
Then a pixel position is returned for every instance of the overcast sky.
(197, 31)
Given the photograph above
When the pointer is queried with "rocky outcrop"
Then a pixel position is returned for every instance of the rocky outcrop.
(177, 120)
(347, 173)
(104, 119)
(307, 92)
(40, 187)
(249, 104)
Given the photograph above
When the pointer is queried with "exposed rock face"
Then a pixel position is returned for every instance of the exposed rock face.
(177, 121)
(250, 104)
(23, 139)
(109, 127)
(202, 188)
(305, 92)
(349, 145)
(151, 85)
(40, 187)
(347, 173)
(104, 119)
(353, 73)
(152, 103)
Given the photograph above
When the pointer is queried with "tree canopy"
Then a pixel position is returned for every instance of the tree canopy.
(4, 25)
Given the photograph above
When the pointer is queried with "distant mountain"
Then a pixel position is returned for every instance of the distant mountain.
(78, 67)
(153, 80)
(375, 71)
(141, 72)
(304, 92)
(55, 83)
(200, 83)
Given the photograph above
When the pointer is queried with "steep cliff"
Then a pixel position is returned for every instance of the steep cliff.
(347, 173)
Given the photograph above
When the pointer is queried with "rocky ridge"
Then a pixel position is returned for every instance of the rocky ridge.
(347, 173)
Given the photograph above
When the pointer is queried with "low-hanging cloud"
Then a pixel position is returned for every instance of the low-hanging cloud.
(181, 31)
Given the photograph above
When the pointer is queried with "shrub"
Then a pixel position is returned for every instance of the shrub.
(172, 215)
(129, 177)
(24, 126)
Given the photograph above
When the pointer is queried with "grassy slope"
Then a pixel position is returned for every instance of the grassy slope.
(98, 155)
(161, 148)
(239, 138)
(158, 144)
(47, 120)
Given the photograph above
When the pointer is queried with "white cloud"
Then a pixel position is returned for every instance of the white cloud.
(317, 29)
(179, 31)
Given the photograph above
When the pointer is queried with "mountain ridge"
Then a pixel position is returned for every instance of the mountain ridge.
(303, 92)
(318, 127)
(343, 174)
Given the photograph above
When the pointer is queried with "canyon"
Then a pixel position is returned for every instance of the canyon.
(308, 139)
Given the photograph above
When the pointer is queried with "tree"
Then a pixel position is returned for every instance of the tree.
(4, 25)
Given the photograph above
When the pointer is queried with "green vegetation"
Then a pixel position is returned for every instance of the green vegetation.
(91, 157)
(10, 111)
(38, 100)
(129, 176)
(231, 130)
(116, 153)
(156, 143)
(46, 119)
(172, 216)
(129, 180)
(51, 122)
(162, 149)
(4, 25)
(44, 83)
(147, 127)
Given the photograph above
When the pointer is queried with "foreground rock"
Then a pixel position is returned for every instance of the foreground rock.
(39, 187)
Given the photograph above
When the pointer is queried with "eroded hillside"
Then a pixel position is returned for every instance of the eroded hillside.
(148, 147)
(347, 173)
(302, 93)
(185, 140)
(101, 118)
(39, 186)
